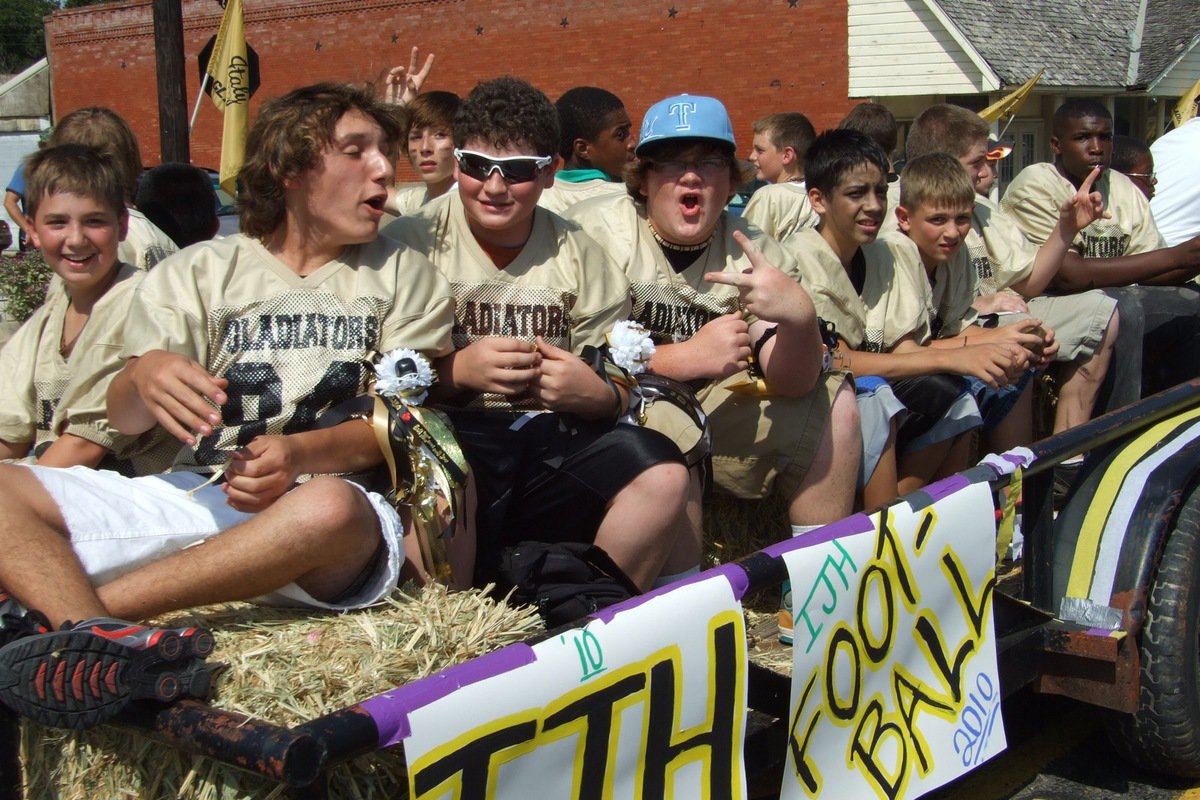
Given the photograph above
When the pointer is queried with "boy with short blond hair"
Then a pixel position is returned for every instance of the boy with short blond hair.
(58, 366)
(936, 198)
(1012, 274)
(780, 144)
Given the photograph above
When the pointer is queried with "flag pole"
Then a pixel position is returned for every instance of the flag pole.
(199, 97)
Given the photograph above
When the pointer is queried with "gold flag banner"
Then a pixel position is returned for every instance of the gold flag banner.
(229, 74)
(1185, 109)
(1011, 103)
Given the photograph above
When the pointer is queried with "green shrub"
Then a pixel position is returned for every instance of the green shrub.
(23, 280)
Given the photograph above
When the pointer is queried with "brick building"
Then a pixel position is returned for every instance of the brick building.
(758, 56)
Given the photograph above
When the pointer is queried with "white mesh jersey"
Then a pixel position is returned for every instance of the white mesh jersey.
(781, 209)
(895, 300)
(671, 305)
(998, 250)
(45, 395)
(1035, 195)
(561, 286)
(953, 288)
(291, 347)
(410, 197)
(145, 244)
(564, 194)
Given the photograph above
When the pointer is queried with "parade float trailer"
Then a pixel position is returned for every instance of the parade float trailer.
(912, 623)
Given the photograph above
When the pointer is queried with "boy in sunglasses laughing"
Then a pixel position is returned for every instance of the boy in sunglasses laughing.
(536, 422)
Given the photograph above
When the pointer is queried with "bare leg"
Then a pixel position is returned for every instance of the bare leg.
(881, 486)
(920, 466)
(1081, 382)
(39, 568)
(1016, 429)
(645, 521)
(689, 544)
(320, 535)
(827, 492)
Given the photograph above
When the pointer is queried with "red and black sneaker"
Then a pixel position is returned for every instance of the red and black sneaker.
(88, 673)
(169, 644)
(17, 622)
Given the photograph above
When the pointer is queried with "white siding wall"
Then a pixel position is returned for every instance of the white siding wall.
(898, 47)
(13, 149)
(1176, 82)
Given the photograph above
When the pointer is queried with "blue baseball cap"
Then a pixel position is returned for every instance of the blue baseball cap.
(686, 116)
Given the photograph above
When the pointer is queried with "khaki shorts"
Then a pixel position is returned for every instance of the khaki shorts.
(762, 444)
(1078, 321)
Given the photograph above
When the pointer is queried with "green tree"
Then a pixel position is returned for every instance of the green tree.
(22, 36)
(21, 39)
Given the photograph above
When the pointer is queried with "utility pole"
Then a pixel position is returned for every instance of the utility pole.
(172, 82)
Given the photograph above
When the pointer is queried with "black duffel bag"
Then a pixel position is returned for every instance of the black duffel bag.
(562, 580)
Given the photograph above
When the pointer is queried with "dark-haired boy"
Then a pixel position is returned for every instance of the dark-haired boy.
(1012, 273)
(1123, 250)
(181, 201)
(1132, 158)
(780, 142)
(537, 423)
(237, 348)
(58, 366)
(878, 296)
(595, 145)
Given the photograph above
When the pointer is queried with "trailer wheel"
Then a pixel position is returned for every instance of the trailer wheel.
(1163, 735)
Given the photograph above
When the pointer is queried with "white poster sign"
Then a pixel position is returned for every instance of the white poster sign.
(649, 701)
(894, 684)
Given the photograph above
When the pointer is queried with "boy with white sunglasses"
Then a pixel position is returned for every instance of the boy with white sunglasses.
(536, 422)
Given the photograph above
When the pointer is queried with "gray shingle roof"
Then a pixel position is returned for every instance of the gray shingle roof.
(1079, 42)
(1171, 25)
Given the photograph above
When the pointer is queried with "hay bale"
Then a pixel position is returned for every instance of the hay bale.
(285, 667)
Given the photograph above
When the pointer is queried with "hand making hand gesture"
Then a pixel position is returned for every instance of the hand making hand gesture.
(405, 84)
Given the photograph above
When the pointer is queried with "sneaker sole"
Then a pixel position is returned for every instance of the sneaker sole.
(75, 679)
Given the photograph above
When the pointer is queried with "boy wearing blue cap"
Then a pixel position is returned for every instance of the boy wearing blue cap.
(729, 316)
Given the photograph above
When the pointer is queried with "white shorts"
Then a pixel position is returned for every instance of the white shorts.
(119, 524)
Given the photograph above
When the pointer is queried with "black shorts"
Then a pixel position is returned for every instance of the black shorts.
(551, 479)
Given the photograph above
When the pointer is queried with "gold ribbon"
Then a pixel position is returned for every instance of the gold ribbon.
(428, 473)
(1008, 518)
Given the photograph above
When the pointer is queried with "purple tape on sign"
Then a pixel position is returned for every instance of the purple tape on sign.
(858, 523)
(390, 710)
(946, 487)
(736, 577)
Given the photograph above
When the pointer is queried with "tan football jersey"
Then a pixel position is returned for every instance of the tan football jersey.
(998, 250)
(1035, 195)
(291, 347)
(561, 286)
(895, 299)
(673, 306)
(410, 197)
(45, 395)
(145, 244)
(953, 288)
(564, 194)
(761, 443)
(781, 209)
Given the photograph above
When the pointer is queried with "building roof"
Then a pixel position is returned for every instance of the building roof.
(1079, 42)
(1172, 28)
